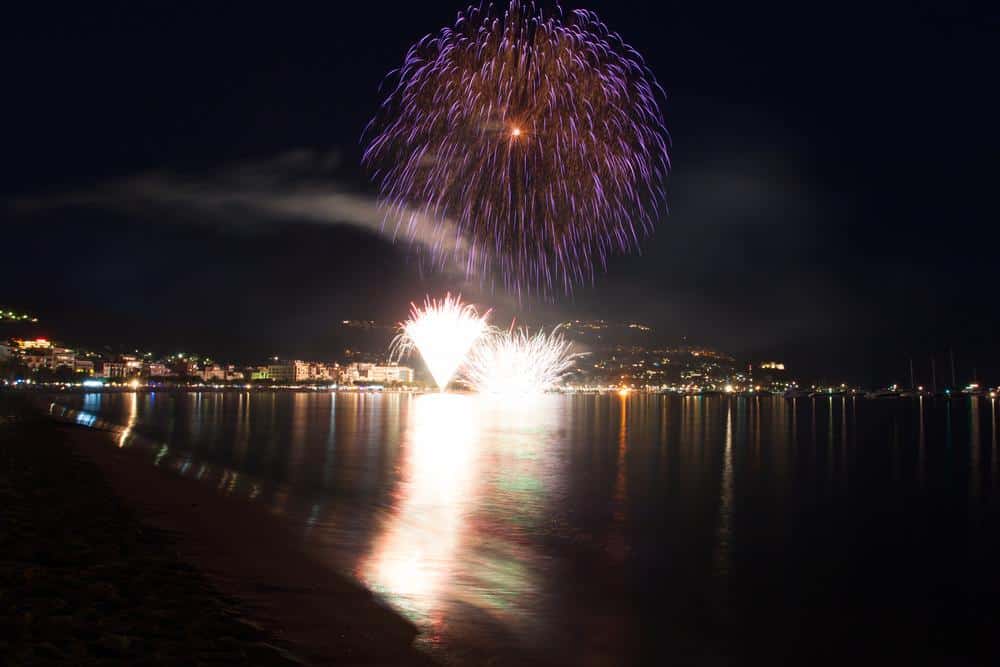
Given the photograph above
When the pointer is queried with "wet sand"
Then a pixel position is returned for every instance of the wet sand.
(250, 556)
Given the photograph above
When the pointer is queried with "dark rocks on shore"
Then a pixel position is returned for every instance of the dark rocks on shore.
(82, 581)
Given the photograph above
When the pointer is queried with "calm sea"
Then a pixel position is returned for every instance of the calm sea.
(606, 530)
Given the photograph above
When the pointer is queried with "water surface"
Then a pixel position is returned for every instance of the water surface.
(606, 530)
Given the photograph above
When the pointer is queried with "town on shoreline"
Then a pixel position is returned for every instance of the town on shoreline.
(621, 357)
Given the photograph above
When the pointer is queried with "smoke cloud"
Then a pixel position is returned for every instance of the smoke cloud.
(296, 186)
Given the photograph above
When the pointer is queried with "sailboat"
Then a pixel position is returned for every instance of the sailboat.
(914, 391)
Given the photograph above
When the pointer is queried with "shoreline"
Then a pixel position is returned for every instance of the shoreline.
(250, 556)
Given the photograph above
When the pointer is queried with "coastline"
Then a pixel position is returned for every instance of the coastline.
(250, 556)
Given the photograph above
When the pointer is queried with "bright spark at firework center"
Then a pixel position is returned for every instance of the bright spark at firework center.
(442, 331)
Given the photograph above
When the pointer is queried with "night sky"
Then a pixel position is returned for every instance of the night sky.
(189, 178)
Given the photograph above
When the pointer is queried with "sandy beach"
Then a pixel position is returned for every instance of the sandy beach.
(225, 558)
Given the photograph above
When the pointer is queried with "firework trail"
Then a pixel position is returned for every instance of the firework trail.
(516, 363)
(442, 331)
(537, 140)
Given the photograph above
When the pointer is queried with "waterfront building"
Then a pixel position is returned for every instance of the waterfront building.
(770, 375)
(120, 369)
(281, 372)
(84, 367)
(374, 373)
(402, 374)
(313, 371)
(297, 370)
(133, 365)
(62, 356)
(35, 359)
(157, 370)
(49, 357)
(219, 373)
(215, 372)
(302, 371)
(114, 370)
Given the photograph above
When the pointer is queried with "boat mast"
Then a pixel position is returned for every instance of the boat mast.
(951, 355)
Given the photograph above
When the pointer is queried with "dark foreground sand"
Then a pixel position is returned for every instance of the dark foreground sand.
(97, 556)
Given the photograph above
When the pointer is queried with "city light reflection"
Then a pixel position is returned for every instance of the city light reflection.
(133, 415)
(725, 531)
(993, 451)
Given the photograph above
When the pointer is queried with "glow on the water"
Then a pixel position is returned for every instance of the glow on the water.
(413, 559)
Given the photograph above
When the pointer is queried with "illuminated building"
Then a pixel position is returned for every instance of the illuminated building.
(215, 372)
(113, 370)
(84, 367)
(47, 356)
(361, 372)
(771, 376)
(62, 356)
(300, 371)
(281, 372)
(35, 359)
(218, 373)
(133, 365)
(156, 370)
(120, 369)
(311, 371)
(36, 344)
(297, 371)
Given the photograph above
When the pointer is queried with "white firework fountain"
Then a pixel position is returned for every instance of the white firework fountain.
(442, 331)
(515, 363)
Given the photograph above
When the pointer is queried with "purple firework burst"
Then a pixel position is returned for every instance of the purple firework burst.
(534, 144)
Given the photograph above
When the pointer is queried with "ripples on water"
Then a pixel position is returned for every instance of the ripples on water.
(615, 530)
